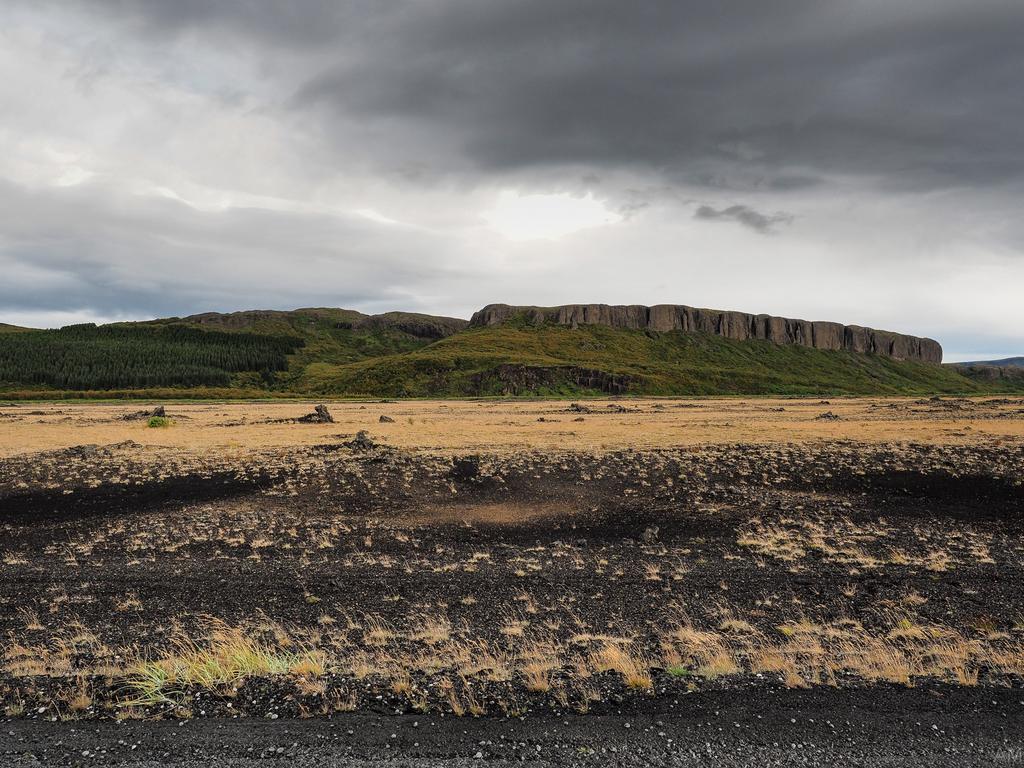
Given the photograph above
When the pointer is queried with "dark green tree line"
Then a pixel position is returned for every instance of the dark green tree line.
(137, 356)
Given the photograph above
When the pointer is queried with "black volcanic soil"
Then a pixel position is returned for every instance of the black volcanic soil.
(110, 555)
(929, 727)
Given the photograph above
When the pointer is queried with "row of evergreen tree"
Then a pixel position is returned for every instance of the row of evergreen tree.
(136, 356)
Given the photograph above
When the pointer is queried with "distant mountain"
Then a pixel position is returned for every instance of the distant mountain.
(1006, 362)
(524, 351)
(1007, 374)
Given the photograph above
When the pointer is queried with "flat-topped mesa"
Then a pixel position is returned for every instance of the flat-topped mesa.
(732, 325)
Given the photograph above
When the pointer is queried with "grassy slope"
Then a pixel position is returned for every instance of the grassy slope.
(661, 364)
(347, 353)
(5, 328)
(332, 336)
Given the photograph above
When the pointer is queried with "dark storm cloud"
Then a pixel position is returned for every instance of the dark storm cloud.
(746, 216)
(728, 93)
(925, 94)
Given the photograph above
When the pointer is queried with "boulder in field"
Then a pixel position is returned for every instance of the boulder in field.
(320, 415)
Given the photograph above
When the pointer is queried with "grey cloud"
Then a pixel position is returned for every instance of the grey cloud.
(743, 214)
(734, 94)
(427, 110)
(82, 250)
(921, 94)
(299, 25)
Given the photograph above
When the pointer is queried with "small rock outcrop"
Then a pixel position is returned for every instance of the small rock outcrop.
(159, 411)
(361, 442)
(320, 415)
(739, 326)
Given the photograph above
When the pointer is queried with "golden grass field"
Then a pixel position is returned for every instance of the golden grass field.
(495, 425)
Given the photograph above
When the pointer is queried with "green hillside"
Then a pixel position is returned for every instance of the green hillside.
(236, 353)
(550, 359)
(323, 351)
(332, 336)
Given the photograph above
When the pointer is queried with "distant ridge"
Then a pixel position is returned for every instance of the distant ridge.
(739, 326)
(1006, 362)
(570, 351)
(412, 323)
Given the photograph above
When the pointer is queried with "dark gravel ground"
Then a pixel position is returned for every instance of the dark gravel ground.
(116, 545)
(892, 727)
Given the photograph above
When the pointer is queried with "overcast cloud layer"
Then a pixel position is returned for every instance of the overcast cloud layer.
(853, 161)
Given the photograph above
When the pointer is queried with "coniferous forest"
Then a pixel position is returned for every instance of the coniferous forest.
(90, 357)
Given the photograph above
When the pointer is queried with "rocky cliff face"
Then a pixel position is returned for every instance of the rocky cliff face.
(732, 325)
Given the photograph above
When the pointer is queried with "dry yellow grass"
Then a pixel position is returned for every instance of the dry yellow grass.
(461, 425)
(634, 668)
(839, 652)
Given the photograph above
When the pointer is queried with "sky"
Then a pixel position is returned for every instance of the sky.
(860, 161)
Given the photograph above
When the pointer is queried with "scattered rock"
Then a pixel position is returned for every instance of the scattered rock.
(386, 419)
(82, 450)
(650, 534)
(124, 445)
(827, 416)
(159, 412)
(361, 442)
(320, 415)
(577, 408)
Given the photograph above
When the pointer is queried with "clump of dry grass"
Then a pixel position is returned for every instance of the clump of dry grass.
(31, 620)
(80, 697)
(705, 651)
(634, 668)
(433, 630)
(229, 656)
